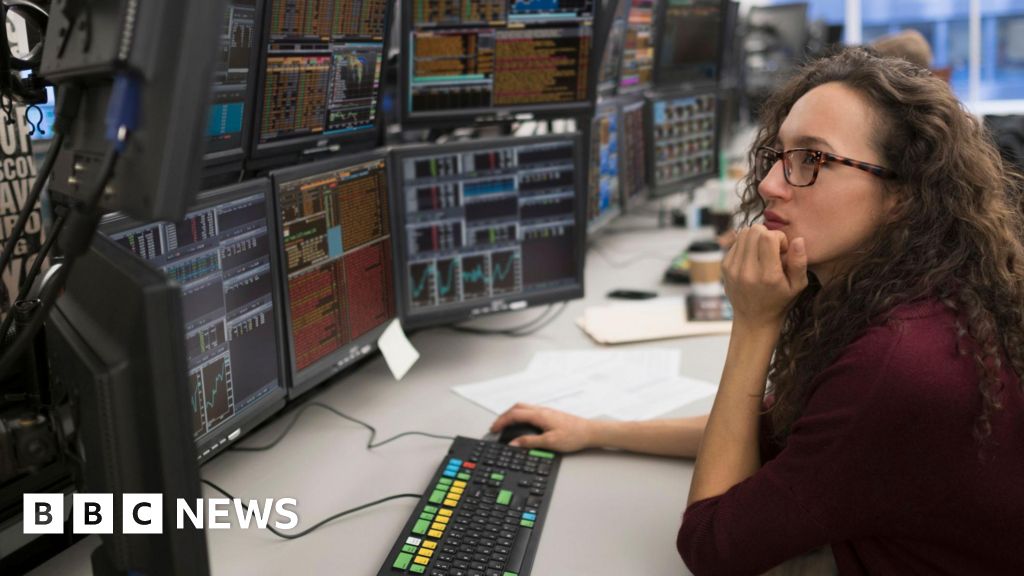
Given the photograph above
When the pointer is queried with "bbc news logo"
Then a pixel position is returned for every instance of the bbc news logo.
(144, 513)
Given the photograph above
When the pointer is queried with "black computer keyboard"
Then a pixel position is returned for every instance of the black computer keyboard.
(481, 515)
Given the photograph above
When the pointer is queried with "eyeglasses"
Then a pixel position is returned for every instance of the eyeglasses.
(800, 165)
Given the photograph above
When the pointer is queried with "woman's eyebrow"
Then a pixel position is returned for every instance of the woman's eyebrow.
(809, 141)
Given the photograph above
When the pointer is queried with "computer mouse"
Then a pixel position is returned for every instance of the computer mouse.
(513, 431)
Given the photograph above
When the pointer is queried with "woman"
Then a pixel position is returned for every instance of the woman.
(881, 295)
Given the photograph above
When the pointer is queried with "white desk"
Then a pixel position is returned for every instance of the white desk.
(611, 513)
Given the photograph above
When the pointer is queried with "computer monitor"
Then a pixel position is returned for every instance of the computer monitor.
(775, 42)
(319, 77)
(632, 151)
(689, 42)
(222, 254)
(471, 59)
(335, 244)
(636, 72)
(603, 200)
(611, 38)
(230, 117)
(116, 345)
(683, 140)
(488, 226)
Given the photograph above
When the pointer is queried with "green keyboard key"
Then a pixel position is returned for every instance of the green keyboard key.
(542, 454)
(445, 481)
(409, 548)
(497, 477)
(426, 516)
(430, 509)
(504, 497)
(510, 574)
(421, 527)
(463, 476)
(526, 523)
(437, 497)
(418, 569)
(402, 562)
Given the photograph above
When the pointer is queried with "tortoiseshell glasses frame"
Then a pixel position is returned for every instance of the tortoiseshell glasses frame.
(796, 161)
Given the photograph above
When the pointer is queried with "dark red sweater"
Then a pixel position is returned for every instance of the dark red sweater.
(882, 465)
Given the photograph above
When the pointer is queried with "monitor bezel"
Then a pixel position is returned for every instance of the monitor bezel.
(615, 207)
(213, 443)
(461, 116)
(687, 184)
(661, 79)
(463, 312)
(233, 159)
(350, 353)
(285, 152)
(606, 22)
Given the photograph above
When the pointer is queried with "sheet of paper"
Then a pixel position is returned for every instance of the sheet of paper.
(627, 385)
(658, 397)
(397, 350)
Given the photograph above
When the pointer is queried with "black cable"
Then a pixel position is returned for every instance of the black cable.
(81, 232)
(67, 109)
(30, 202)
(369, 444)
(320, 523)
(36, 266)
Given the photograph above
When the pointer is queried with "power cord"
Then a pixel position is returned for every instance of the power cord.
(369, 444)
(122, 119)
(531, 327)
(285, 536)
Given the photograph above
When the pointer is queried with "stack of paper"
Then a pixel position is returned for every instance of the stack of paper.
(653, 320)
(625, 385)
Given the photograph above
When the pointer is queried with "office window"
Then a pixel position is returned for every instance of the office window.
(943, 24)
(1002, 55)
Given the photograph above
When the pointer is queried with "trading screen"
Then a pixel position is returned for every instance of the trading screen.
(603, 187)
(336, 237)
(467, 56)
(321, 71)
(231, 78)
(633, 152)
(496, 222)
(637, 68)
(221, 257)
(684, 138)
(691, 42)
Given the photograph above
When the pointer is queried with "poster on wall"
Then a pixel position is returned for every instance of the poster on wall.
(17, 175)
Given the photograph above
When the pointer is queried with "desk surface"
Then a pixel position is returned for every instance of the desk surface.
(611, 513)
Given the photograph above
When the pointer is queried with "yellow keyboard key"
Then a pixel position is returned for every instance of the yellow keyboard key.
(437, 526)
(459, 484)
(450, 502)
(421, 560)
(441, 520)
(425, 553)
(455, 490)
(435, 533)
(444, 512)
(429, 544)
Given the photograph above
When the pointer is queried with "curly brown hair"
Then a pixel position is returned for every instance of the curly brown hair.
(953, 234)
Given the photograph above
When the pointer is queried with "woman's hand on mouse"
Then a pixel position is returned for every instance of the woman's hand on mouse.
(562, 432)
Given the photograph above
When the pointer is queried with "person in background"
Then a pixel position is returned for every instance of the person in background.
(871, 397)
(908, 44)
